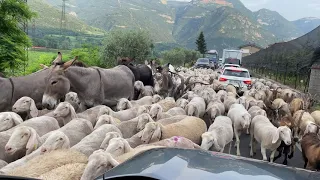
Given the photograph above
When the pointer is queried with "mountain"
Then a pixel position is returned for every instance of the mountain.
(273, 22)
(152, 15)
(48, 17)
(307, 24)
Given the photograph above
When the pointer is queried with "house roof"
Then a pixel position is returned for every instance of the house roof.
(250, 44)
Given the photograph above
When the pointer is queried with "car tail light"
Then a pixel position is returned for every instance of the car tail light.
(223, 79)
(248, 82)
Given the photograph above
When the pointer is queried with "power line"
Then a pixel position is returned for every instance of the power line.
(63, 20)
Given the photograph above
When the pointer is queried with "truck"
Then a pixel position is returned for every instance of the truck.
(231, 56)
(213, 57)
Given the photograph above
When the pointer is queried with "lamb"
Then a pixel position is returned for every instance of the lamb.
(57, 140)
(270, 137)
(75, 130)
(124, 115)
(310, 145)
(108, 137)
(106, 119)
(101, 161)
(190, 127)
(196, 107)
(304, 123)
(73, 99)
(156, 112)
(241, 120)
(42, 125)
(215, 109)
(66, 111)
(182, 103)
(296, 104)
(45, 163)
(93, 141)
(118, 146)
(9, 120)
(124, 103)
(27, 105)
(220, 134)
(133, 126)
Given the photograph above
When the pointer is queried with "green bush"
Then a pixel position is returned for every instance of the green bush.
(90, 55)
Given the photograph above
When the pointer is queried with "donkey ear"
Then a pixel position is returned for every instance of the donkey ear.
(33, 141)
(68, 64)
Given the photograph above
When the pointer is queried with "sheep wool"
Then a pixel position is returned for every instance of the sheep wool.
(72, 171)
(47, 162)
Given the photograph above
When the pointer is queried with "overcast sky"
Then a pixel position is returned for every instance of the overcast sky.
(290, 9)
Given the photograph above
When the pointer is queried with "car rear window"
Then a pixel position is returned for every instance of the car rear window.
(237, 73)
(231, 66)
(203, 60)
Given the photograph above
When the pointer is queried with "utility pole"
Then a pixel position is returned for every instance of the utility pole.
(63, 20)
(25, 29)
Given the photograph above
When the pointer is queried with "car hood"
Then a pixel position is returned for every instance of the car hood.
(183, 164)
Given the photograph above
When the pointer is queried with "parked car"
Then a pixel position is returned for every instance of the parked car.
(202, 63)
(239, 77)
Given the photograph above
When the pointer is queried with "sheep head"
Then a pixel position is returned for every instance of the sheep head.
(246, 120)
(105, 119)
(57, 140)
(284, 134)
(72, 97)
(25, 104)
(311, 128)
(192, 110)
(9, 120)
(151, 133)
(98, 163)
(156, 98)
(123, 104)
(23, 137)
(143, 119)
(118, 146)
(105, 110)
(209, 139)
(155, 110)
(108, 137)
(64, 109)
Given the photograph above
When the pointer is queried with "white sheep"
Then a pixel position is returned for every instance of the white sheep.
(304, 123)
(182, 103)
(124, 103)
(101, 161)
(167, 104)
(124, 115)
(118, 146)
(196, 107)
(215, 109)
(133, 126)
(57, 140)
(172, 119)
(45, 163)
(190, 127)
(241, 121)
(93, 141)
(156, 98)
(219, 134)
(106, 119)
(147, 138)
(75, 130)
(222, 94)
(228, 101)
(2, 164)
(175, 142)
(256, 110)
(9, 120)
(73, 99)
(156, 112)
(108, 137)
(27, 105)
(270, 137)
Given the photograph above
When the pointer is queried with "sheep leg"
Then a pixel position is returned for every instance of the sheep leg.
(286, 152)
(237, 142)
(272, 155)
(263, 152)
(292, 148)
(248, 131)
(222, 150)
(280, 150)
(251, 145)
(230, 147)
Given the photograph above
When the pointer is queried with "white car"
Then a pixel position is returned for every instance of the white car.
(228, 65)
(239, 77)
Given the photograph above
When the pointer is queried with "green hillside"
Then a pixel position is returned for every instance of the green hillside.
(49, 17)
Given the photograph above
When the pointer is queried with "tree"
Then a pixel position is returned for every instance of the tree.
(180, 56)
(13, 40)
(135, 44)
(201, 44)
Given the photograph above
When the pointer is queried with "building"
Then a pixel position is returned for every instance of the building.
(248, 49)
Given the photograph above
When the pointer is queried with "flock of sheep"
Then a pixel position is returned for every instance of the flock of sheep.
(71, 142)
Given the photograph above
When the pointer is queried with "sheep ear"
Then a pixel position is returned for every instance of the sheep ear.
(33, 141)
(112, 161)
(156, 136)
(196, 112)
(276, 136)
(16, 118)
(33, 109)
(127, 147)
(247, 105)
(73, 111)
